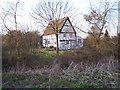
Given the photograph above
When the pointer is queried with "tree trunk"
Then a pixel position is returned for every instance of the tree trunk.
(57, 47)
(97, 44)
(119, 46)
(57, 50)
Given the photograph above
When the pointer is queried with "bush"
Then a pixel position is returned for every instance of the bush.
(51, 48)
(100, 75)
(33, 58)
(83, 55)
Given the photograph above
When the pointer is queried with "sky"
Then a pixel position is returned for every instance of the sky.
(26, 7)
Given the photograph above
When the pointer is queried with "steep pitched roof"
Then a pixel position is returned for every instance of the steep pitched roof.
(49, 30)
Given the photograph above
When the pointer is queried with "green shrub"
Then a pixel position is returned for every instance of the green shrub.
(31, 58)
(51, 46)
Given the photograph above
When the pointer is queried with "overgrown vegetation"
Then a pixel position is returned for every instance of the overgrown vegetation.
(85, 68)
(100, 75)
(26, 64)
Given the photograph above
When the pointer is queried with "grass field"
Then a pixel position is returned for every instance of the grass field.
(82, 73)
(99, 76)
(31, 58)
(13, 80)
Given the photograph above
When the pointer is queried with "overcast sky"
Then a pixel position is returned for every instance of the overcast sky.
(26, 6)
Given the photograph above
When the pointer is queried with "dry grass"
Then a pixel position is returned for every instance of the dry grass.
(102, 75)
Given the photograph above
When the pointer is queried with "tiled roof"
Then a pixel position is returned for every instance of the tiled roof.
(49, 29)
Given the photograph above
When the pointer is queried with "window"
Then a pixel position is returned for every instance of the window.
(63, 45)
(79, 41)
(70, 34)
(67, 42)
(64, 35)
(66, 25)
(45, 41)
(48, 42)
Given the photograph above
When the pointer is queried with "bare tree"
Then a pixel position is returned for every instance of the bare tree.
(9, 15)
(99, 20)
(10, 12)
(52, 11)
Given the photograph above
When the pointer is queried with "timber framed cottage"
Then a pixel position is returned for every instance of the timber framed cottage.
(67, 37)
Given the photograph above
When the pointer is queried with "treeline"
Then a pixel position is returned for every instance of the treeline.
(107, 45)
(17, 39)
(17, 47)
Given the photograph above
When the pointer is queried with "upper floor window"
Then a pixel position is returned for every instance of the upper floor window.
(70, 34)
(64, 35)
(66, 25)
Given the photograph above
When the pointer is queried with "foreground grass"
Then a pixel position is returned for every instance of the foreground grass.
(102, 75)
(78, 69)
(12, 80)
